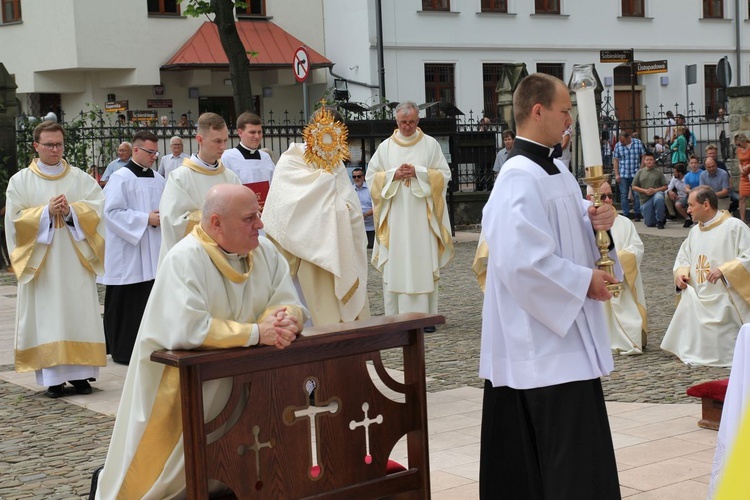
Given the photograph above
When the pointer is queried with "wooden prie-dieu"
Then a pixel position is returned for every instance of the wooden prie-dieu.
(307, 421)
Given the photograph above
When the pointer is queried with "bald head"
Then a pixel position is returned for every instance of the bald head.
(604, 189)
(231, 216)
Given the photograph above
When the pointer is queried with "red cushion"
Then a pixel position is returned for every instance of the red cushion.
(716, 390)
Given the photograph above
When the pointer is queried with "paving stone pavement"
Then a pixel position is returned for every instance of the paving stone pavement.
(48, 448)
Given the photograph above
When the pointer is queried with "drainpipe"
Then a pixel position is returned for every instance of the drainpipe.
(381, 63)
(737, 41)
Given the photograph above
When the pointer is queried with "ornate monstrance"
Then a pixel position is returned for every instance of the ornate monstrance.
(327, 141)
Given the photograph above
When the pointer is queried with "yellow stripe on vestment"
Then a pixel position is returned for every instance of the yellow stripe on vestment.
(376, 192)
(163, 432)
(724, 216)
(27, 230)
(64, 352)
(88, 220)
(437, 185)
(202, 170)
(480, 264)
(734, 482)
(35, 168)
(630, 269)
(737, 276)
(219, 258)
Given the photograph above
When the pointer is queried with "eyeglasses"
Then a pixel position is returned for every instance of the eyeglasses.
(52, 145)
(608, 196)
(149, 151)
(411, 123)
(357, 176)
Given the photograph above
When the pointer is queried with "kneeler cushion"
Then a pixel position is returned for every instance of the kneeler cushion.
(391, 468)
(716, 390)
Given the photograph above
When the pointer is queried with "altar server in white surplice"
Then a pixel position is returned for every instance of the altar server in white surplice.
(314, 217)
(131, 211)
(186, 188)
(252, 166)
(713, 282)
(408, 177)
(626, 314)
(220, 287)
(545, 431)
(55, 233)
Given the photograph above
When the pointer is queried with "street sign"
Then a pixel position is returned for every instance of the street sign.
(691, 74)
(616, 56)
(142, 116)
(724, 72)
(115, 106)
(648, 67)
(158, 103)
(301, 64)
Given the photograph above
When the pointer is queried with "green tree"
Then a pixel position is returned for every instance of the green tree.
(239, 63)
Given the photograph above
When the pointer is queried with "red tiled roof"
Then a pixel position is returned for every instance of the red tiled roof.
(275, 48)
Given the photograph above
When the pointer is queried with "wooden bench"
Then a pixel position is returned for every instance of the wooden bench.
(308, 421)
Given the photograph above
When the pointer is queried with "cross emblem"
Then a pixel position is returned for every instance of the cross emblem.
(702, 268)
(256, 447)
(365, 422)
(311, 412)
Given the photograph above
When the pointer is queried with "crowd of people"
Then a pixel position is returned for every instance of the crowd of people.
(225, 248)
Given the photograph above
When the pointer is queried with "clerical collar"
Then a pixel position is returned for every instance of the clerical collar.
(195, 158)
(247, 153)
(713, 219)
(50, 169)
(144, 168)
(139, 170)
(538, 153)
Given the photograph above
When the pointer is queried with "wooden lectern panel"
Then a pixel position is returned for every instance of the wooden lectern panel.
(308, 421)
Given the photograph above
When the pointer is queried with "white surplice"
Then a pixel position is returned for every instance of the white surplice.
(132, 250)
(411, 221)
(200, 300)
(626, 314)
(704, 327)
(59, 329)
(538, 326)
(184, 194)
(249, 171)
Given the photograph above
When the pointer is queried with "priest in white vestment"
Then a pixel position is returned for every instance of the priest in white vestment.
(221, 286)
(408, 177)
(55, 233)
(187, 186)
(131, 212)
(712, 276)
(545, 430)
(314, 217)
(626, 314)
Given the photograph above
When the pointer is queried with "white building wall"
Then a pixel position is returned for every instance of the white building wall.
(671, 30)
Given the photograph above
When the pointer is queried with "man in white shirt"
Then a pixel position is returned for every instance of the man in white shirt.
(124, 152)
(174, 159)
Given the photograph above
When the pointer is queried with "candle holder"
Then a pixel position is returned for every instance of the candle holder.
(583, 84)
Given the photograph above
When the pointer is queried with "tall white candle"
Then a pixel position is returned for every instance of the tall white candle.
(592, 147)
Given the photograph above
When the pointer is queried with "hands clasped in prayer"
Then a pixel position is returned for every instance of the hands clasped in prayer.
(59, 206)
(406, 171)
(602, 218)
(279, 328)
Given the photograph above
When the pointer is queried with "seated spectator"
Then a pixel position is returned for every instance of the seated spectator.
(677, 195)
(649, 183)
(693, 176)
(718, 180)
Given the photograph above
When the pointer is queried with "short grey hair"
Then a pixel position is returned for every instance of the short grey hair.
(406, 106)
(174, 139)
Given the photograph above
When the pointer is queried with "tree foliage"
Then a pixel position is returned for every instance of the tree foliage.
(239, 64)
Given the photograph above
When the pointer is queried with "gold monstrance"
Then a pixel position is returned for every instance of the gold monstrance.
(583, 84)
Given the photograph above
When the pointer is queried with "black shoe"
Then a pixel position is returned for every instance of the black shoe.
(671, 217)
(82, 386)
(429, 329)
(660, 225)
(688, 223)
(55, 391)
(637, 218)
